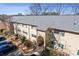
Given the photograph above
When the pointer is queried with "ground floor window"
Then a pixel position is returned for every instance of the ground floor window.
(34, 35)
(61, 46)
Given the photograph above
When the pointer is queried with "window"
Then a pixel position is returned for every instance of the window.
(32, 27)
(33, 35)
(19, 30)
(61, 46)
(57, 32)
(62, 33)
(24, 32)
(22, 24)
(17, 24)
(26, 26)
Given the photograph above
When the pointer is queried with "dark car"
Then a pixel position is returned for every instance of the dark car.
(5, 49)
(2, 38)
(5, 42)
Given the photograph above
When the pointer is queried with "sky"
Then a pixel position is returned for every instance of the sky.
(15, 8)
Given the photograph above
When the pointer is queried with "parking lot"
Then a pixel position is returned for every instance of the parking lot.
(15, 53)
(8, 48)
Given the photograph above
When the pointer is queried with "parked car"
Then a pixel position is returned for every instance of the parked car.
(5, 49)
(5, 42)
(2, 38)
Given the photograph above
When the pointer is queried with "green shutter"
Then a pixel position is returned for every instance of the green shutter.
(61, 45)
(78, 52)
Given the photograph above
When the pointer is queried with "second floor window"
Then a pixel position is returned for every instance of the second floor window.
(26, 26)
(57, 32)
(24, 32)
(22, 24)
(19, 30)
(32, 27)
(62, 33)
(33, 35)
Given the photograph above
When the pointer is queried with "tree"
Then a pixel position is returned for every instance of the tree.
(54, 13)
(56, 8)
(35, 9)
(28, 43)
(7, 22)
(75, 8)
(4, 19)
(38, 9)
(19, 14)
(59, 8)
(23, 39)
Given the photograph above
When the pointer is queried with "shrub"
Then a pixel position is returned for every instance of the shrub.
(16, 36)
(28, 43)
(23, 39)
(40, 40)
(58, 52)
(55, 52)
(1, 31)
(34, 42)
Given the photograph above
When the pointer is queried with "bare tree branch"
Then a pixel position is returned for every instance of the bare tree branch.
(38, 9)
(75, 8)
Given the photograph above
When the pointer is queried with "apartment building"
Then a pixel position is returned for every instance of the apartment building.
(65, 29)
(29, 31)
(68, 41)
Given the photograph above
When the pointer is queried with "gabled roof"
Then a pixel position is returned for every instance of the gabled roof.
(67, 23)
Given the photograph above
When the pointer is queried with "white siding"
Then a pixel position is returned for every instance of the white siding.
(23, 29)
(33, 31)
(14, 24)
(26, 30)
(70, 41)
